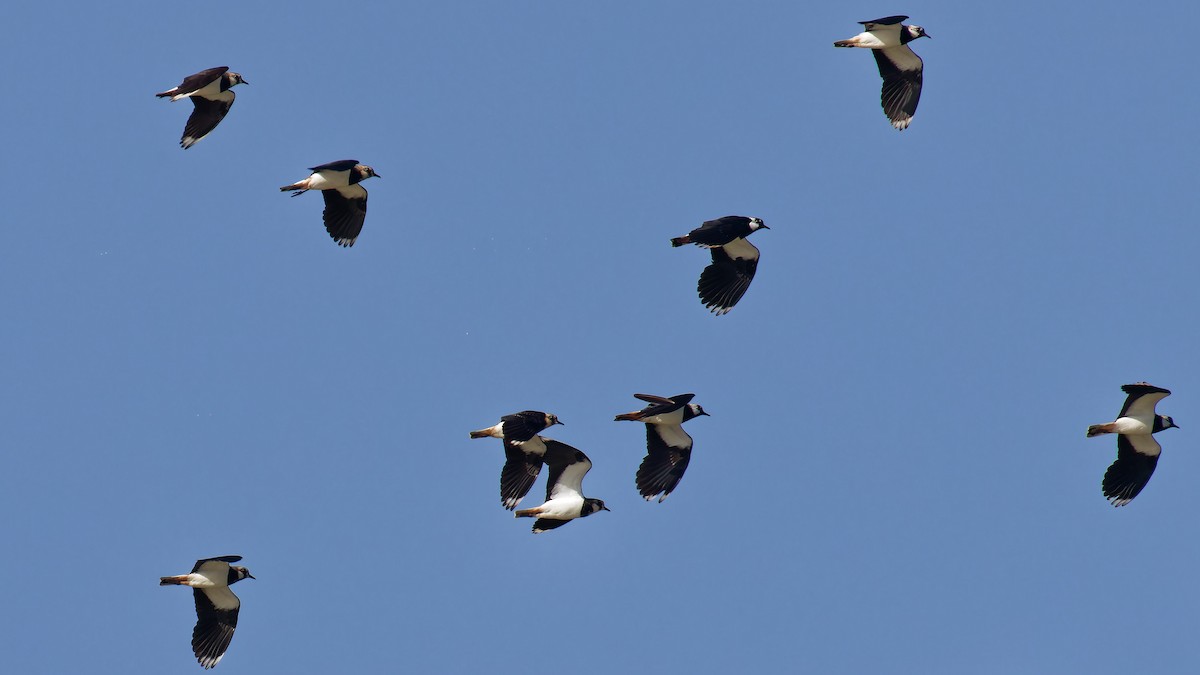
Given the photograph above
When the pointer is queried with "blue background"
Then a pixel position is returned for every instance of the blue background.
(894, 478)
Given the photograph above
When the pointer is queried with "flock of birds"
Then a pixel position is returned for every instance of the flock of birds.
(668, 447)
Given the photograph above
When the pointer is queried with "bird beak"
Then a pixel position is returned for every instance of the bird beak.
(763, 227)
(928, 36)
(244, 81)
(251, 576)
(559, 422)
(606, 508)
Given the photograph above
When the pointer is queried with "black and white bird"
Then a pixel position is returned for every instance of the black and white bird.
(668, 446)
(216, 605)
(345, 200)
(734, 260)
(899, 65)
(1137, 451)
(212, 96)
(523, 451)
(564, 489)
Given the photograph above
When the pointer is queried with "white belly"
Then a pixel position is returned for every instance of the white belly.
(329, 180)
(562, 508)
(1132, 425)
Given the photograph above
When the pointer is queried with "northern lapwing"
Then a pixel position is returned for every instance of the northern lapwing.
(899, 65)
(734, 260)
(212, 96)
(668, 446)
(1137, 451)
(523, 451)
(564, 489)
(345, 200)
(216, 605)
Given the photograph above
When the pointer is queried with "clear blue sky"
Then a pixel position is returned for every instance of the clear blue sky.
(894, 478)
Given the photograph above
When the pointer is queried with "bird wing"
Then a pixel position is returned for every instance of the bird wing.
(1137, 455)
(542, 524)
(661, 406)
(901, 70)
(886, 23)
(720, 231)
(668, 451)
(651, 398)
(568, 466)
(340, 165)
(1142, 399)
(216, 618)
(523, 426)
(345, 212)
(205, 117)
(725, 281)
(218, 566)
(193, 83)
(524, 463)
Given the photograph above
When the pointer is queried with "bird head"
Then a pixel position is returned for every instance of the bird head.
(551, 420)
(236, 78)
(1165, 422)
(757, 224)
(915, 32)
(696, 410)
(242, 573)
(595, 506)
(367, 172)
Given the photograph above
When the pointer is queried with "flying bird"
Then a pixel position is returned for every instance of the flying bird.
(345, 200)
(216, 605)
(564, 489)
(899, 65)
(1137, 451)
(523, 451)
(734, 260)
(212, 96)
(668, 446)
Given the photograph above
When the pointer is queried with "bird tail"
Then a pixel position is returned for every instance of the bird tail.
(527, 513)
(628, 417)
(681, 241)
(496, 431)
(164, 94)
(302, 186)
(844, 43)
(1098, 429)
(180, 580)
